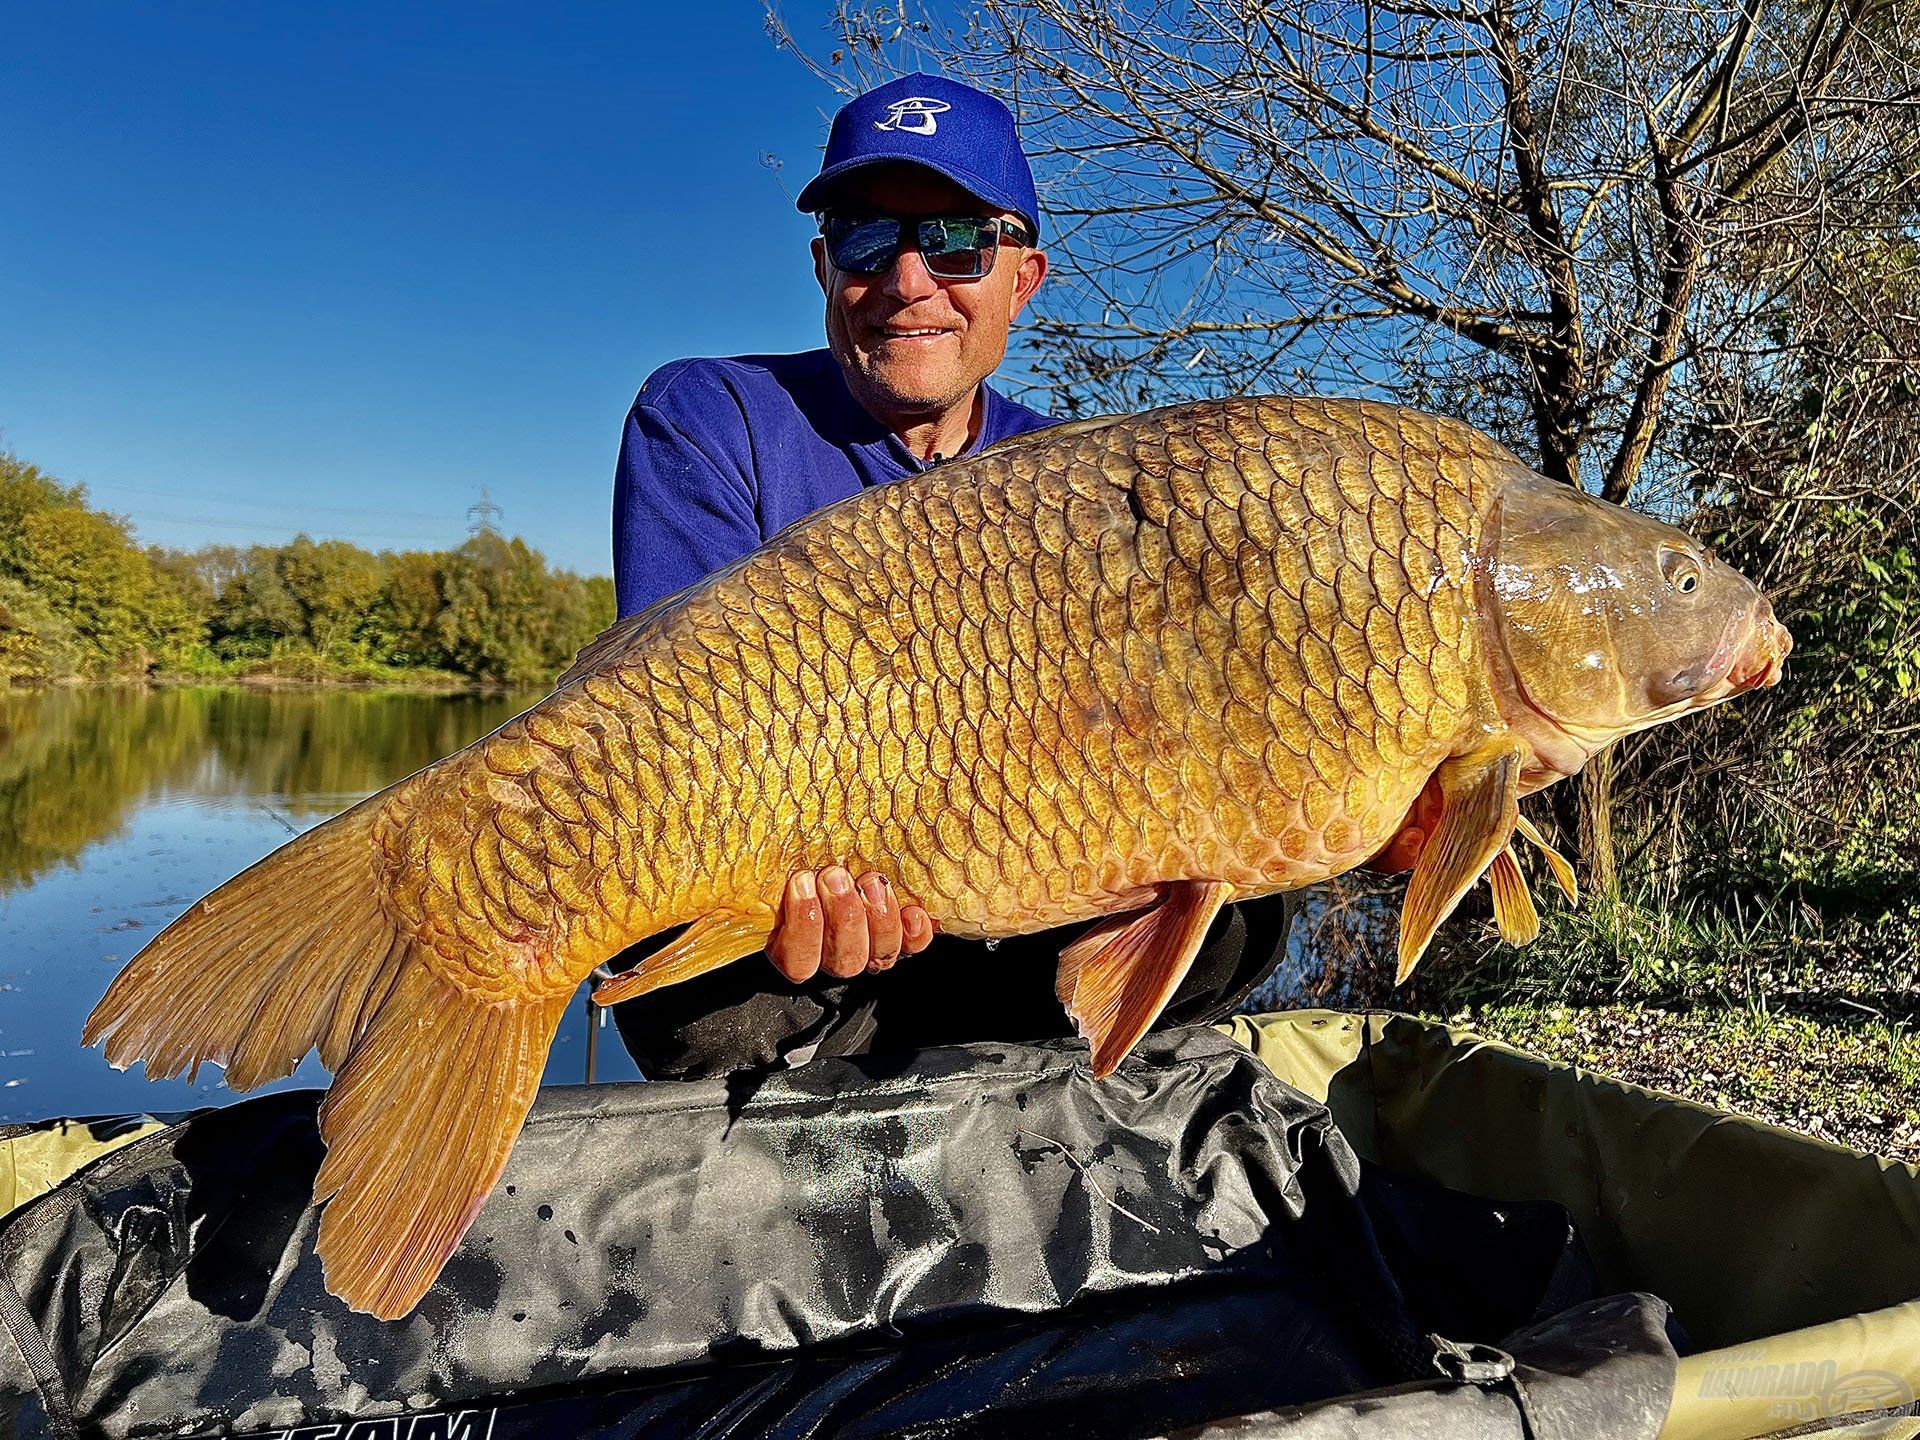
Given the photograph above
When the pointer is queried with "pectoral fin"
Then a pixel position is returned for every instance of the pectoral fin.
(1556, 862)
(710, 942)
(1512, 902)
(1116, 979)
(1481, 795)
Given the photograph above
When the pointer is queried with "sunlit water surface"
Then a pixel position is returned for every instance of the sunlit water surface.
(119, 808)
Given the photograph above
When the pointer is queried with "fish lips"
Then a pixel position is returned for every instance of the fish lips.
(1765, 662)
(1753, 656)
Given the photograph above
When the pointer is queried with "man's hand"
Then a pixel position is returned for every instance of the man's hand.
(829, 922)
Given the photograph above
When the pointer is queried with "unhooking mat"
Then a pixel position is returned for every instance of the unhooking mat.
(971, 1241)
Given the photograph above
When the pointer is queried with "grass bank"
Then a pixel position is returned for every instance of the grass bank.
(1794, 1003)
(300, 669)
(1854, 1083)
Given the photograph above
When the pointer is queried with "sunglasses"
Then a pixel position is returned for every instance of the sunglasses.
(953, 247)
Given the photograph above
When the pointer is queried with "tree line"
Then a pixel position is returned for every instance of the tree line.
(81, 598)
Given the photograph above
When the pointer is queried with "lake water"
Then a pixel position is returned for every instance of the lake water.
(119, 808)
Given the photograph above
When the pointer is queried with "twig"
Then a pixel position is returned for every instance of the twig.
(1087, 1175)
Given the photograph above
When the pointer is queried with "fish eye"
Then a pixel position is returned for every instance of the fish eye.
(1681, 570)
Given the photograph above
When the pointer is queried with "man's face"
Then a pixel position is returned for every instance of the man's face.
(914, 344)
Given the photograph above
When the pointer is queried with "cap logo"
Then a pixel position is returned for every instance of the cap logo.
(913, 115)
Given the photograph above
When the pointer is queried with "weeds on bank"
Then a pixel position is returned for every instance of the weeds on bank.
(1784, 938)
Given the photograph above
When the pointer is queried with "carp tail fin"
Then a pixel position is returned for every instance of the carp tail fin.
(293, 954)
(1117, 978)
(432, 1081)
(418, 1126)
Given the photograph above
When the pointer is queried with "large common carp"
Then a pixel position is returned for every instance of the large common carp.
(1125, 668)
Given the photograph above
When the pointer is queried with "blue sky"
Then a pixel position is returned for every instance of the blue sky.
(266, 268)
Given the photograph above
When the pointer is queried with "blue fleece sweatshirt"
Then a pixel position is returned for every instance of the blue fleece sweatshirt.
(718, 456)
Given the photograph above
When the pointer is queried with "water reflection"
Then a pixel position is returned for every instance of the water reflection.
(74, 762)
(1341, 951)
(119, 808)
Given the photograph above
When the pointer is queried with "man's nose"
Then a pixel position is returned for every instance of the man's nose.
(909, 279)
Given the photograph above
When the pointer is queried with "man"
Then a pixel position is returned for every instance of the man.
(928, 251)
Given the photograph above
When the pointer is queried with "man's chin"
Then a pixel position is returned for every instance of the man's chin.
(902, 391)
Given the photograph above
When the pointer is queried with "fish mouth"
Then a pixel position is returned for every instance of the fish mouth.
(1764, 660)
(1757, 660)
(1751, 656)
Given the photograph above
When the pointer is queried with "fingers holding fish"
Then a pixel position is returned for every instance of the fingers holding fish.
(917, 927)
(831, 922)
(884, 936)
(896, 926)
(794, 946)
(847, 945)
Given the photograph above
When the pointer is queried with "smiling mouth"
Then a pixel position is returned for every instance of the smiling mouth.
(888, 332)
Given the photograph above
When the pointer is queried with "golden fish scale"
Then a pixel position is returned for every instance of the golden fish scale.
(1219, 641)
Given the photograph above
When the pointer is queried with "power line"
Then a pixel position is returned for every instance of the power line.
(258, 527)
(439, 516)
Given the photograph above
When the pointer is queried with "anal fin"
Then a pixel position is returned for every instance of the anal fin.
(1117, 978)
(1512, 902)
(709, 942)
(1481, 802)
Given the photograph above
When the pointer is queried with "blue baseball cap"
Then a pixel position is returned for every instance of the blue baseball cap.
(927, 120)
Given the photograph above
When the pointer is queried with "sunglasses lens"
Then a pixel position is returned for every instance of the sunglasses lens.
(867, 247)
(959, 248)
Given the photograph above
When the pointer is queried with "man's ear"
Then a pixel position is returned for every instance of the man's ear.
(822, 269)
(1026, 280)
